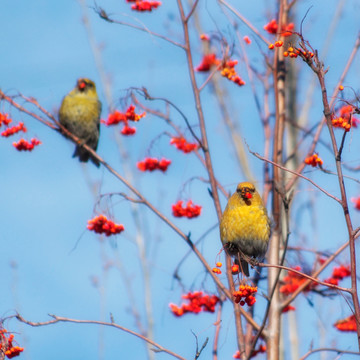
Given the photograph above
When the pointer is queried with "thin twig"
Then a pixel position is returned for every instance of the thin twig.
(297, 174)
(57, 319)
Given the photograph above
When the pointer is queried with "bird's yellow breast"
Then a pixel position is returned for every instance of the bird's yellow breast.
(244, 220)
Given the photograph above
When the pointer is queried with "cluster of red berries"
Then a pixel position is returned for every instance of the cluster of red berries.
(24, 145)
(338, 274)
(14, 129)
(190, 211)
(348, 324)
(5, 119)
(208, 61)
(245, 295)
(227, 68)
(272, 28)
(144, 5)
(345, 120)
(292, 282)
(181, 144)
(127, 130)
(101, 225)
(197, 302)
(151, 164)
(313, 160)
(6, 345)
(117, 117)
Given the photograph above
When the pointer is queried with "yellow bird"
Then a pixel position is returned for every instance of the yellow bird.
(80, 114)
(245, 225)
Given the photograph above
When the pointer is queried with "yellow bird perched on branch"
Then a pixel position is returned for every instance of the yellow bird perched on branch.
(80, 114)
(245, 226)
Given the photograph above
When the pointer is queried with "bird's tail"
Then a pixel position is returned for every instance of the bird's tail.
(84, 155)
(244, 266)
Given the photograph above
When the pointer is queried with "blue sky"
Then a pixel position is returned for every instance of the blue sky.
(48, 197)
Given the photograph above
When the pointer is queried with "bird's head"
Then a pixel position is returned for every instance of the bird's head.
(85, 85)
(246, 193)
(246, 190)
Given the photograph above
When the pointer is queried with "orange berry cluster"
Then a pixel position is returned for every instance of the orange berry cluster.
(144, 5)
(101, 225)
(5, 119)
(295, 52)
(338, 274)
(6, 345)
(272, 28)
(345, 119)
(151, 164)
(197, 302)
(228, 71)
(216, 270)
(227, 68)
(356, 202)
(14, 129)
(292, 281)
(117, 117)
(348, 324)
(313, 160)
(24, 145)
(276, 44)
(182, 145)
(190, 211)
(245, 295)
(340, 122)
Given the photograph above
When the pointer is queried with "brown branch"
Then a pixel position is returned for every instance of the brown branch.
(207, 156)
(318, 67)
(57, 319)
(355, 49)
(33, 101)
